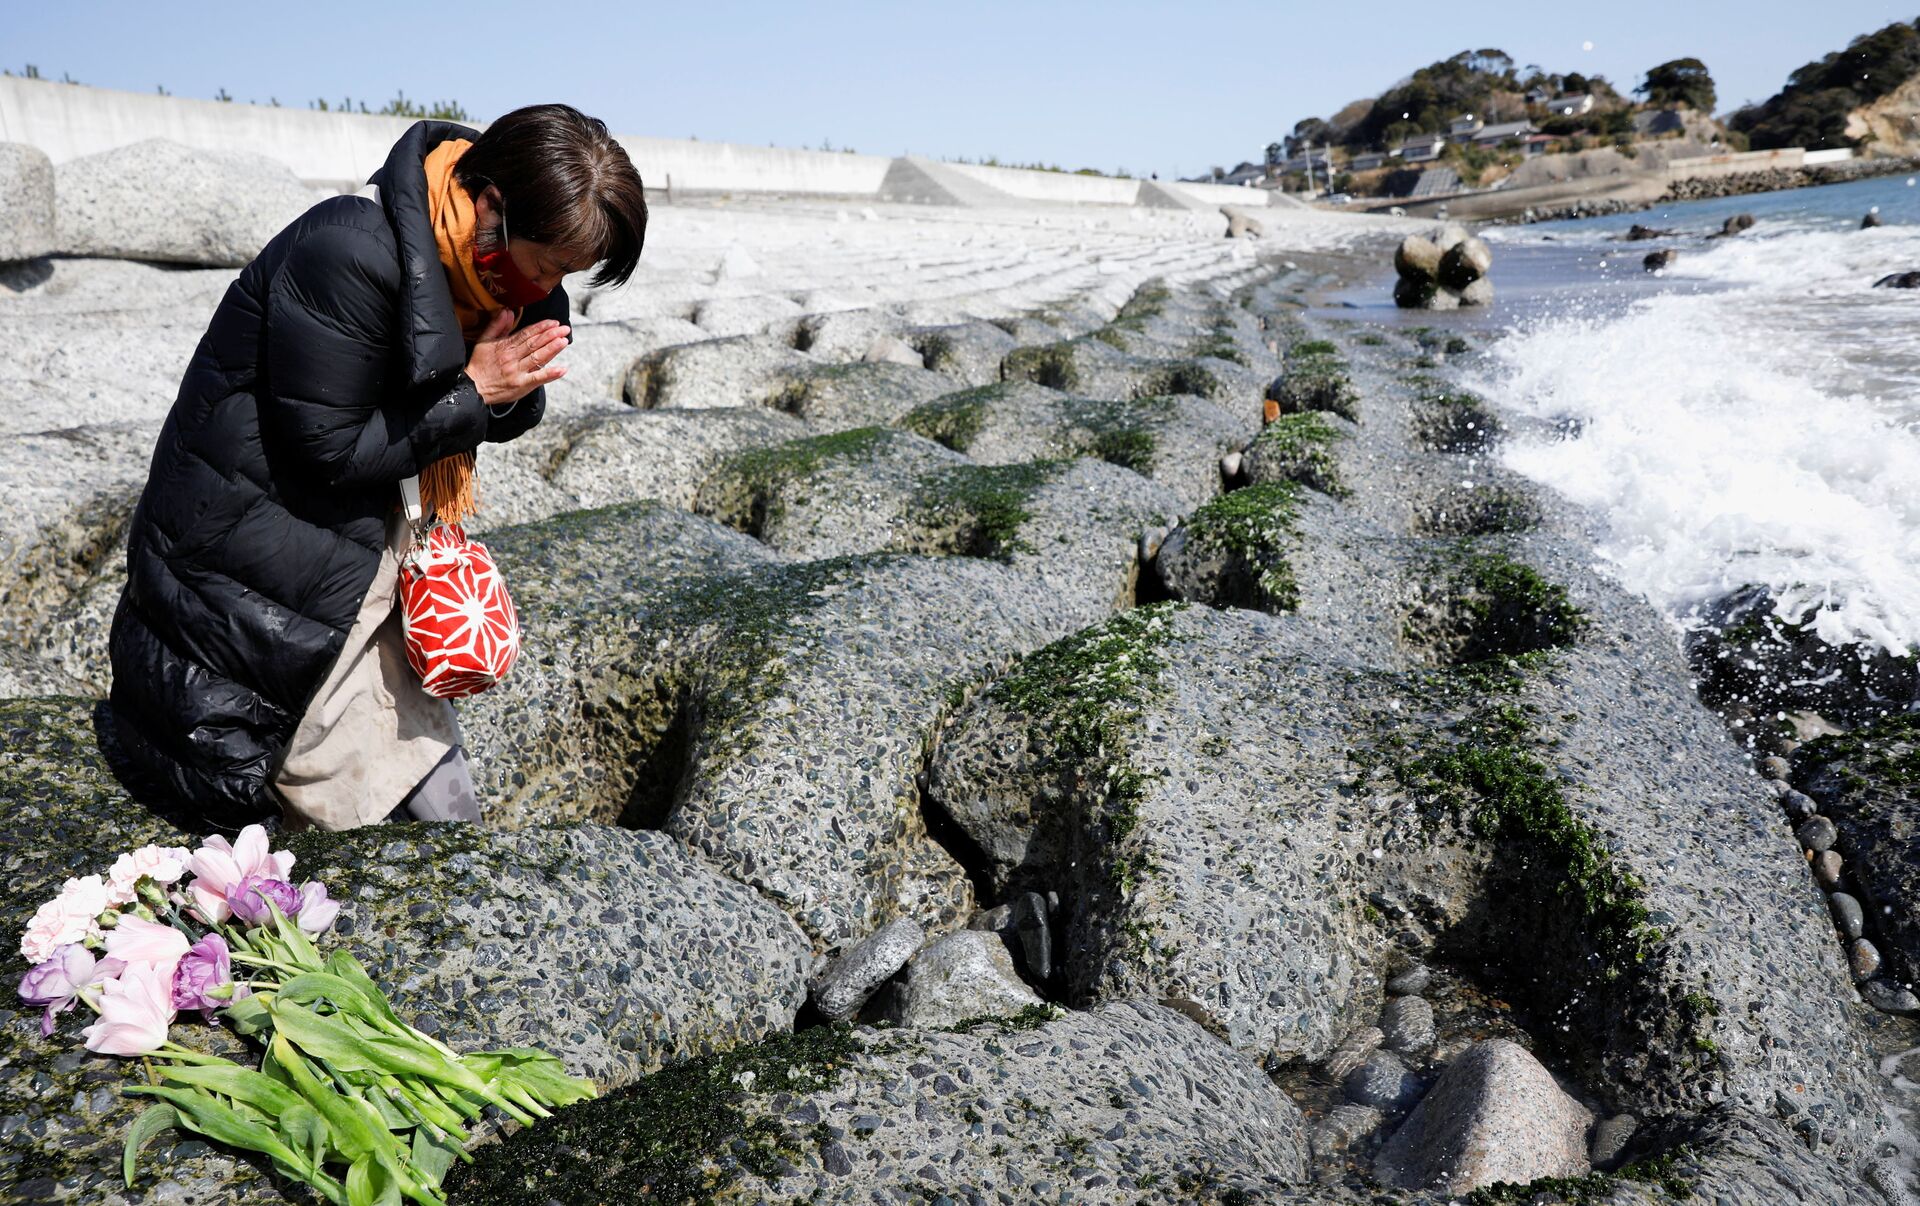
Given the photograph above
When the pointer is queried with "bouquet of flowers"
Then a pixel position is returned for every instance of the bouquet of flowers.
(348, 1098)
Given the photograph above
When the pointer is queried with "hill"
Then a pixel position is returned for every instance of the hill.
(1826, 103)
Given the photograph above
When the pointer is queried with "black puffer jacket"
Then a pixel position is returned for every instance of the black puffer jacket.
(327, 375)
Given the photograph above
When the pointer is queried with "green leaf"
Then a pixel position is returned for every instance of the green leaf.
(249, 1015)
(342, 963)
(216, 1120)
(345, 994)
(433, 1157)
(241, 1084)
(333, 1040)
(306, 1132)
(301, 949)
(152, 1120)
(353, 1135)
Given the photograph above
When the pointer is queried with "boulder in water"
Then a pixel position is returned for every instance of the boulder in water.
(1444, 272)
(1659, 261)
(1735, 225)
(1638, 233)
(1899, 280)
(1871, 220)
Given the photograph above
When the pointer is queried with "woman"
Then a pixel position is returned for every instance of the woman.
(257, 664)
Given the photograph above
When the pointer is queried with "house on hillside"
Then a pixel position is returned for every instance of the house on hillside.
(1367, 161)
(1575, 104)
(1465, 126)
(1246, 173)
(1506, 131)
(1538, 95)
(1421, 149)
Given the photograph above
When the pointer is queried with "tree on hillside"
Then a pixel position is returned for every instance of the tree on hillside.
(1679, 82)
(1811, 111)
(1433, 96)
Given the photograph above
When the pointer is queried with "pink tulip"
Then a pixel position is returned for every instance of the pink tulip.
(219, 868)
(207, 967)
(135, 1011)
(317, 909)
(140, 941)
(57, 982)
(251, 900)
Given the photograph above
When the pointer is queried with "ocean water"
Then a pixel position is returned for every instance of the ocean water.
(1752, 415)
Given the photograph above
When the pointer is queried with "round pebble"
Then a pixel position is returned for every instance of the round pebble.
(1888, 997)
(1412, 981)
(1799, 804)
(1230, 465)
(1775, 767)
(1826, 867)
(1817, 834)
(1383, 1082)
(1610, 1137)
(1407, 1024)
(1864, 957)
(1846, 914)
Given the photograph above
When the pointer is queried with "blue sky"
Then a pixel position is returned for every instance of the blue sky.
(1148, 87)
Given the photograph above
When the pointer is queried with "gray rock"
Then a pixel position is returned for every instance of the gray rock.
(1479, 293)
(1494, 1115)
(1798, 805)
(1411, 982)
(720, 317)
(1407, 1024)
(968, 974)
(1775, 767)
(26, 202)
(1847, 917)
(1817, 834)
(1660, 261)
(1345, 1132)
(891, 349)
(1871, 220)
(1077, 1107)
(1826, 868)
(1610, 1137)
(1464, 263)
(661, 454)
(158, 200)
(1383, 1083)
(836, 397)
(1023, 926)
(840, 991)
(1864, 958)
(1889, 997)
(1417, 258)
(1242, 225)
(1349, 1055)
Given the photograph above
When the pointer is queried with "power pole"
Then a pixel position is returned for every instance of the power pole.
(1309, 169)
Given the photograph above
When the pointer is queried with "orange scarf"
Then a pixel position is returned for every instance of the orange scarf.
(446, 486)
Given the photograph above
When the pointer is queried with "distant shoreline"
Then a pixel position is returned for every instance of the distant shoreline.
(1771, 180)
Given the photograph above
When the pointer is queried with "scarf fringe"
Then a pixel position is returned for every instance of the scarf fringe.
(447, 488)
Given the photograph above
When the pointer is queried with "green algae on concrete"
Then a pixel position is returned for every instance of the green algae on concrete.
(679, 1136)
(1050, 364)
(954, 420)
(1254, 526)
(981, 508)
(1299, 447)
(1314, 377)
(1455, 421)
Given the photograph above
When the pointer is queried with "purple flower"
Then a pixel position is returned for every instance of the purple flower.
(58, 981)
(249, 899)
(207, 966)
(317, 910)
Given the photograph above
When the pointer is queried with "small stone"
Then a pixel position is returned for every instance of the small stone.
(1773, 766)
(1871, 220)
(1610, 1137)
(1659, 261)
(1847, 916)
(1350, 1054)
(1407, 1025)
(1494, 1115)
(1150, 542)
(1817, 834)
(1384, 1083)
(964, 975)
(1826, 868)
(1230, 466)
(1865, 959)
(1775, 788)
(848, 981)
(891, 349)
(1888, 997)
(1022, 925)
(1799, 805)
(1411, 982)
(1344, 1127)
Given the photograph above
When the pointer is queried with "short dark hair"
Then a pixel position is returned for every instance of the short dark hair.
(565, 181)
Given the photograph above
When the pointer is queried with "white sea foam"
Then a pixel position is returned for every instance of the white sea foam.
(1759, 427)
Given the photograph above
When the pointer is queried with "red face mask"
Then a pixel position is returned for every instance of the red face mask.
(503, 278)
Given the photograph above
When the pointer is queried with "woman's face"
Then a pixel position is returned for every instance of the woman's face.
(542, 263)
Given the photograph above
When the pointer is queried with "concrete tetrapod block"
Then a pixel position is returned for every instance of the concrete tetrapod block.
(1494, 1115)
(158, 200)
(26, 202)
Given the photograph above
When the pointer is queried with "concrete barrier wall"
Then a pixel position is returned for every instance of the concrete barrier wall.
(68, 121)
(1221, 194)
(1735, 164)
(1837, 155)
(1066, 187)
(733, 167)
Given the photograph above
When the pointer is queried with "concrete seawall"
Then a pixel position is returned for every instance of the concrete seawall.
(68, 121)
